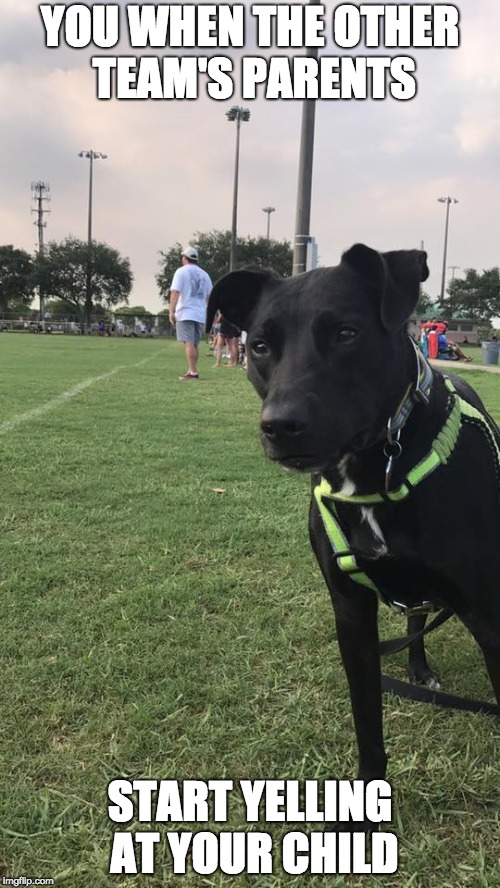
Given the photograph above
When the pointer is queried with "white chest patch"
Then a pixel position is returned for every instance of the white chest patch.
(369, 517)
(367, 512)
(348, 487)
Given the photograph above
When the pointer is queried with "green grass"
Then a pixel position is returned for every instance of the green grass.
(153, 627)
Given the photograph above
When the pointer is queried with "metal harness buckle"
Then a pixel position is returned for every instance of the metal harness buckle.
(415, 610)
(392, 450)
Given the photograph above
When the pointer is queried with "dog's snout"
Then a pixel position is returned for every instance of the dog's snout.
(281, 425)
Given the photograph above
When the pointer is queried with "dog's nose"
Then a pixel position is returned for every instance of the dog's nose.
(280, 425)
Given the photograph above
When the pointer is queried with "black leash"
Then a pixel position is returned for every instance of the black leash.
(423, 694)
(395, 645)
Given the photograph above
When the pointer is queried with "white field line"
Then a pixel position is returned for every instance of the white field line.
(20, 418)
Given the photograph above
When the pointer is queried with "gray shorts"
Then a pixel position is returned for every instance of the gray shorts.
(189, 331)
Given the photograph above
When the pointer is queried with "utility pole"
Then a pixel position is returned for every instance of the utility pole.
(304, 187)
(40, 192)
(453, 269)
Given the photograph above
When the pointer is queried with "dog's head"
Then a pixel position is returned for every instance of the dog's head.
(326, 349)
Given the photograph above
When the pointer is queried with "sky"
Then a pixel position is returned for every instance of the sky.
(380, 165)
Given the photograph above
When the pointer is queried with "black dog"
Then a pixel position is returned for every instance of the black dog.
(405, 464)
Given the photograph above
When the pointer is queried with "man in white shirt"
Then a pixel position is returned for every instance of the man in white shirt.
(189, 292)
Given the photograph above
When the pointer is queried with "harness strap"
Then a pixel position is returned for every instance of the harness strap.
(439, 454)
(415, 393)
(442, 448)
(338, 540)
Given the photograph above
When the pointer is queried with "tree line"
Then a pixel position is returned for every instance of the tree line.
(60, 275)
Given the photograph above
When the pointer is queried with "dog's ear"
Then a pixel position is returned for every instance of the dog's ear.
(407, 270)
(236, 296)
(397, 277)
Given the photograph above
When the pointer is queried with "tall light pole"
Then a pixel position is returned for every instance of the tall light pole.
(304, 187)
(91, 156)
(268, 210)
(238, 114)
(40, 192)
(447, 201)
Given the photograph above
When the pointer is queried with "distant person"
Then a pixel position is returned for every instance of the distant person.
(424, 342)
(242, 349)
(449, 348)
(189, 292)
(228, 336)
(432, 341)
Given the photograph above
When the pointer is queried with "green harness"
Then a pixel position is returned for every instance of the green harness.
(442, 447)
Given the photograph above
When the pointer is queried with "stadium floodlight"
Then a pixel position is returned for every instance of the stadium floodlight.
(238, 114)
(448, 201)
(90, 155)
(268, 210)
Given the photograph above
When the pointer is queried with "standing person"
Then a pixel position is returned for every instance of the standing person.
(432, 339)
(424, 342)
(229, 336)
(189, 291)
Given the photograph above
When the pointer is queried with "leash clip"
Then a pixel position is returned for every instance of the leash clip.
(392, 450)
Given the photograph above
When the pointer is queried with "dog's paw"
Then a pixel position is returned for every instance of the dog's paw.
(425, 677)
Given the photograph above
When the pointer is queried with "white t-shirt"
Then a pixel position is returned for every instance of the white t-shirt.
(194, 286)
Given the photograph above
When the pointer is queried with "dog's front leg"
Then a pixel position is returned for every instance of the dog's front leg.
(357, 635)
(357, 632)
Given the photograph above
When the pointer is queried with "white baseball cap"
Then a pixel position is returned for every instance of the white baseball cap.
(190, 253)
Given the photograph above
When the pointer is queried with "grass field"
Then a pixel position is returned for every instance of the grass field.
(163, 617)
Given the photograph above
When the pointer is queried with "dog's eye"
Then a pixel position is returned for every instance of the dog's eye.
(346, 334)
(260, 348)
